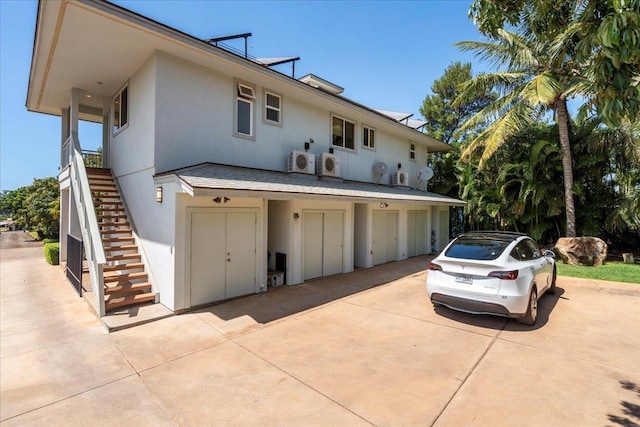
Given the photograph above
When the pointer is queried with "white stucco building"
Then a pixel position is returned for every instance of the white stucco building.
(223, 170)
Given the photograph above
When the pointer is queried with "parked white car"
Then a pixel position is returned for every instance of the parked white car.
(492, 272)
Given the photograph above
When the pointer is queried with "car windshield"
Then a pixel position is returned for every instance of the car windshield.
(480, 249)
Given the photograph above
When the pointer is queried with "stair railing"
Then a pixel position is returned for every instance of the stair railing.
(93, 248)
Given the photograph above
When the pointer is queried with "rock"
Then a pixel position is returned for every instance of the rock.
(588, 251)
(627, 258)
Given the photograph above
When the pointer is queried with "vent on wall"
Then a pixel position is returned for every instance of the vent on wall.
(328, 165)
(400, 179)
(300, 162)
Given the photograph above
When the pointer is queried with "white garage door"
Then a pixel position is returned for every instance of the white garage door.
(417, 235)
(385, 237)
(323, 234)
(223, 255)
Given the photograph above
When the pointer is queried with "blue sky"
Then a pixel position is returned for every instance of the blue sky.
(386, 54)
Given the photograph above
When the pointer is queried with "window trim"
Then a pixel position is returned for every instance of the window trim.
(412, 151)
(266, 107)
(116, 130)
(355, 136)
(244, 92)
(367, 130)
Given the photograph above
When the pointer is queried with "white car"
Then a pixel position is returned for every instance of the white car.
(492, 272)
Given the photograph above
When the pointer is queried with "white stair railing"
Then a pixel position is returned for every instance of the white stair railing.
(88, 220)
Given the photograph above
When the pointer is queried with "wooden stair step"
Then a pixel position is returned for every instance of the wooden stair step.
(100, 177)
(113, 224)
(116, 216)
(124, 301)
(117, 231)
(100, 204)
(101, 171)
(124, 257)
(118, 239)
(121, 248)
(134, 288)
(116, 278)
(103, 191)
(98, 207)
(106, 196)
(123, 267)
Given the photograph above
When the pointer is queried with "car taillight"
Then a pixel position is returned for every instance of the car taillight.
(434, 267)
(505, 275)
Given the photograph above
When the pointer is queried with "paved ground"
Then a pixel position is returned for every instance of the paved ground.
(330, 352)
(18, 239)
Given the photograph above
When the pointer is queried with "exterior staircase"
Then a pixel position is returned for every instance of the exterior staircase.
(125, 280)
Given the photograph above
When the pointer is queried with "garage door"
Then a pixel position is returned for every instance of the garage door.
(385, 237)
(223, 255)
(323, 233)
(417, 236)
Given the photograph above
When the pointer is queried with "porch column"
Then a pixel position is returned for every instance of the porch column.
(74, 116)
(64, 223)
(65, 129)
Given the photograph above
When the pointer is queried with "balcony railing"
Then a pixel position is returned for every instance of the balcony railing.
(92, 159)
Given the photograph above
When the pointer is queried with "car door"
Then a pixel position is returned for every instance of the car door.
(542, 268)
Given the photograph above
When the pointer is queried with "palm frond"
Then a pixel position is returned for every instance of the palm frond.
(542, 89)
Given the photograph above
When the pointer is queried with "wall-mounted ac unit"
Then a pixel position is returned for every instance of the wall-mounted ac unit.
(328, 165)
(300, 162)
(400, 179)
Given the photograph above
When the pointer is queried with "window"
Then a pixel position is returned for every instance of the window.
(412, 150)
(525, 250)
(272, 108)
(244, 110)
(121, 109)
(343, 133)
(478, 249)
(369, 137)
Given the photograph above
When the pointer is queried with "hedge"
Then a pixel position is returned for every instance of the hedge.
(52, 253)
(45, 241)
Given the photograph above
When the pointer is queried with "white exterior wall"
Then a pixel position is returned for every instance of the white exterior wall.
(185, 204)
(279, 230)
(195, 109)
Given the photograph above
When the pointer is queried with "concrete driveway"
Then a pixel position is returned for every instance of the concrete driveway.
(331, 352)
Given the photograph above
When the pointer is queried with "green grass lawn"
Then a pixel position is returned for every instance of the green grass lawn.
(614, 271)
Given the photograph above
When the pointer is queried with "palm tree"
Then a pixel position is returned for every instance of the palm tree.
(538, 76)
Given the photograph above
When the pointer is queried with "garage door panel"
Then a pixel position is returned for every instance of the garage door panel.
(379, 238)
(312, 242)
(412, 236)
(391, 244)
(241, 254)
(333, 243)
(207, 257)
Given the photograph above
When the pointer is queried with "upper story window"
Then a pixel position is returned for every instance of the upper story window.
(343, 133)
(412, 151)
(244, 116)
(121, 109)
(272, 108)
(368, 137)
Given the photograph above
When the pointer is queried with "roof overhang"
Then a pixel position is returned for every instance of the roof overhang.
(210, 179)
(88, 45)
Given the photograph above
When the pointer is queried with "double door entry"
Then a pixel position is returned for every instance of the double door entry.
(323, 235)
(223, 255)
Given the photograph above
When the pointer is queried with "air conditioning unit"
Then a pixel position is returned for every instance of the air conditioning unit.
(400, 179)
(328, 165)
(300, 162)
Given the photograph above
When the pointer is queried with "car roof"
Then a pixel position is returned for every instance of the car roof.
(504, 236)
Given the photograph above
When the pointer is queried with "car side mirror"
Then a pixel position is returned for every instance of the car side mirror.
(550, 254)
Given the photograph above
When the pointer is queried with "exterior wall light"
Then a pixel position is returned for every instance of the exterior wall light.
(296, 215)
(159, 194)
(384, 205)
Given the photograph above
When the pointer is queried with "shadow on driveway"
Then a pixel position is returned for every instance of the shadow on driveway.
(546, 304)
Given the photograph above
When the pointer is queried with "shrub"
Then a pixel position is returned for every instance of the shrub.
(45, 241)
(52, 253)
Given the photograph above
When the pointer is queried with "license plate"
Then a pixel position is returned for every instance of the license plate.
(467, 280)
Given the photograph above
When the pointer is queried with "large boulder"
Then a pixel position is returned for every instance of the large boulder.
(581, 250)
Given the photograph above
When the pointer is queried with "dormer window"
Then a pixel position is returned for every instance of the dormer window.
(244, 112)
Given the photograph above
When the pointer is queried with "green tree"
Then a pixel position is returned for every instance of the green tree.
(35, 207)
(604, 36)
(533, 83)
(444, 120)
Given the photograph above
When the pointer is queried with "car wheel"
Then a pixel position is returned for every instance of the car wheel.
(531, 315)
(552, 287)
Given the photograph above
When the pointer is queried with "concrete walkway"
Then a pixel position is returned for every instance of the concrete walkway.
(331, 352)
